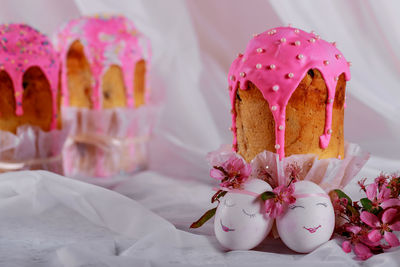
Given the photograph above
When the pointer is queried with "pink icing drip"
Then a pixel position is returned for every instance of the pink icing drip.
(279, 59)
(107, 41)
(128, 78)
(22, 47)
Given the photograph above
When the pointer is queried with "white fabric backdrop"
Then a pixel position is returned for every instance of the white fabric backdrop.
(47, 220)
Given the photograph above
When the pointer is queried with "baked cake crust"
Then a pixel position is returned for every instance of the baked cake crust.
(305, 119)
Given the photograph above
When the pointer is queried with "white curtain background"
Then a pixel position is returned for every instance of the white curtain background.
(48, 220)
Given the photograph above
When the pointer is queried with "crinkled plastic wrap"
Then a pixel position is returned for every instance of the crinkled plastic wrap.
(328, 173)
(104, 144)
(31, 148)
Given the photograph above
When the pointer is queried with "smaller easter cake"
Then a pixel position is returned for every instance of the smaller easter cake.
(28, 79)
(103, 64)
(104, 69)
(287, 92)
(29, 104)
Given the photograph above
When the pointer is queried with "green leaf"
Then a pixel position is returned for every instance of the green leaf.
(219, 194)
(342, 194)
(366, 203)
(378, 210)
(208, 215)
(267, 195)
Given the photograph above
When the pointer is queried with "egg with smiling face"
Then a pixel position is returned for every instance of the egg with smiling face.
(310, 221)
(239, 222)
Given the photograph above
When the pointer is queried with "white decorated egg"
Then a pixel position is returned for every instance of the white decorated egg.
(310, 221)
(240, 223)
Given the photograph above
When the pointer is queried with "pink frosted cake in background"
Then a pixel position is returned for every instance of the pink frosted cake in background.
(31, 134)
(104, 72)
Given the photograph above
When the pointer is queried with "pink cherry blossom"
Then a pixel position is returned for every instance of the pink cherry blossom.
(371, 191)
(353, 229)
(346, 246)
(377, 197)
(232, 173)
(362, 246)
(362, 251)
(381, 180)
(382, 228)
(217, 174)
(283, 198)
(369, 230)
(361, 183)
(392, 202)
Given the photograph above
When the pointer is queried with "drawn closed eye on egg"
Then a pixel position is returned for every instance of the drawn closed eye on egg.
(251, 215)
(322, 204)
(292, 207)
(228, 204)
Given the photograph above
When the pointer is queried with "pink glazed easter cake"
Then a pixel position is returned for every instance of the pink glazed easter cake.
(104, 71)
(31, 133)
(287, 93)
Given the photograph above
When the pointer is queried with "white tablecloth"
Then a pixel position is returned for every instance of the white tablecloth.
(50, 220)
(47, 220)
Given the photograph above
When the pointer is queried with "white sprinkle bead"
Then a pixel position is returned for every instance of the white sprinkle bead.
(312, 40)
(297, 43)
(300, 56)
(272, 66)
(242, 74)
(326, 62)
(232, 78)
(277, 146)
(258, 66)
(275, 87)
(296, 31)
(255, 34)
(330, 100)
(336, 78)
(280, 127)
(259, 50)
(338, 56)
(273, 108)
(283, 40)
(317, 37)
(290, 75)
(330, 131)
